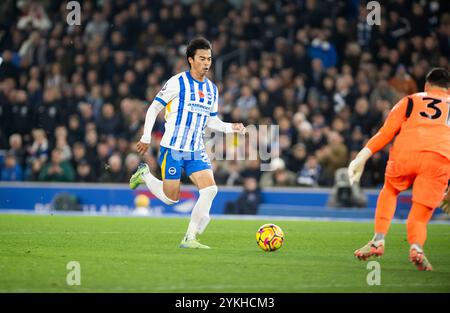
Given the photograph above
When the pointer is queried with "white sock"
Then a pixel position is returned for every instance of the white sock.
(200, 212)
(202, 224)
(156, 187)
(417, 247)
(378, 238)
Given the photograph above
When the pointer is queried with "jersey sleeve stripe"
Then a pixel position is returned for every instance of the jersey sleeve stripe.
(215, 99)
(191, 85)
(215, 92)
(180, 110)
(213, 114)
(161, 101)
(208, 90)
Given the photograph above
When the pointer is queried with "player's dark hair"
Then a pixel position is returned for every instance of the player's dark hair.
(196, 44)
(439, 76)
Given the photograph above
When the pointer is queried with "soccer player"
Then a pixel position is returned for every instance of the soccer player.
(420, 156)
(191, 103)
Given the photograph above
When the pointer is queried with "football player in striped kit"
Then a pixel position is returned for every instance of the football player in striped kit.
(191, 103)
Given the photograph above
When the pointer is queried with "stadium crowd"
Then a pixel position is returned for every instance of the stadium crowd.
(73, 98)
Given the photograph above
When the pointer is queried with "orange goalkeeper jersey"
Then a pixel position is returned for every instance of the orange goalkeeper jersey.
(421, 122)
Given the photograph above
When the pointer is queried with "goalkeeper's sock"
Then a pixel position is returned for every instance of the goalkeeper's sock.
(200, 212)
(156, 187)
(378, 237)
(416, 247)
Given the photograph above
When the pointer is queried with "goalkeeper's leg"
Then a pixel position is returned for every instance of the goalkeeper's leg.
(418, 218)
(386, 204)
(429, 185)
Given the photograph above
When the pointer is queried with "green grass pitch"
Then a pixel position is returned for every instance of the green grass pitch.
(127, 254)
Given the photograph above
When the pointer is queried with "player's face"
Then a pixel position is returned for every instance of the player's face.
(201, 61)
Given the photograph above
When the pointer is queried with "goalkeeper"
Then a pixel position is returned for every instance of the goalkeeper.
(420, 156)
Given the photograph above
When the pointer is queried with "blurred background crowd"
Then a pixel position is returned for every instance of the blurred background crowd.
(73, 98)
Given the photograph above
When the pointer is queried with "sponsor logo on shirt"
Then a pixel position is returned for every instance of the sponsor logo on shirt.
(200, 108)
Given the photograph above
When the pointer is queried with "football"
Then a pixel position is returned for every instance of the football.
(269, 237)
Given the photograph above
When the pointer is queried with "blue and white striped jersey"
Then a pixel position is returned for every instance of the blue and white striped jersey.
(189, 103)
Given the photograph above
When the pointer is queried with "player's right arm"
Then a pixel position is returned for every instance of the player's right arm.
(165, 95)
(386, 133)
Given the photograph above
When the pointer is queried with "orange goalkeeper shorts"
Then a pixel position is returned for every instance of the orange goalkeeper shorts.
(429, 173)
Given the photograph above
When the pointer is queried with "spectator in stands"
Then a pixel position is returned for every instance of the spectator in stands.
(11, 170)
(362, 117)
(403, 82)
(109, 122)
(248, 202)
(131, 163)
(332, 156)
(75, 131)
(104, 151)
(310, 173)
(278, 175)
(383, 91)
(21, 119)
(113, 172)
(33, 50)
(48, 115)
(57, 170)
(97, 26)
(322, 49)
(33, 14)
(79, 153)
(84, 174)
(296, 159)
(246, 101)
(234, 174)
(220, 174)
(34, 169)
(40, 147)
(16, 148)
(62, 144)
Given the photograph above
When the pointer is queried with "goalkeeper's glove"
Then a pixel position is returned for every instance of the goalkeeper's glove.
(445, 204)
(356, 167)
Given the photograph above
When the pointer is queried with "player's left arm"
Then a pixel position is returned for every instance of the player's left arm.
(386, 133)
(217, 124)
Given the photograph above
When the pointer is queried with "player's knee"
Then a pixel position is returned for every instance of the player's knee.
(169, 201)
(172, 197)
(389, 187)
(210, 191)
(173, 194)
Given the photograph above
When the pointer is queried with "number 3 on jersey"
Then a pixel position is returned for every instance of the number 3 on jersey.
(437, 112)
